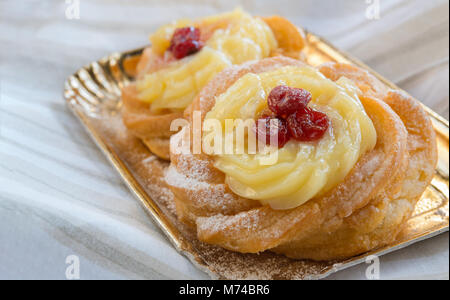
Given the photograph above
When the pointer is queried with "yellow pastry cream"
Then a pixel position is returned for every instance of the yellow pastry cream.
(233, 38)
(303, 170)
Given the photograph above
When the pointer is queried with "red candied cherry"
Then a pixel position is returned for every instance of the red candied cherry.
(264, 130)
(284, 100)
(185, 41)
(308, 125)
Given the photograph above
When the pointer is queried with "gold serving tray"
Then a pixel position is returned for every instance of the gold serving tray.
(93, 95)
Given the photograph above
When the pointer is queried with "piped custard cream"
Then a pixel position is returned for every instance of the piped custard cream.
(303, 170)
(230, 38)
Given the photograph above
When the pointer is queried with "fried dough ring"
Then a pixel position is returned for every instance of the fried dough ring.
(370, 174)
(154, 130)
(367, 210)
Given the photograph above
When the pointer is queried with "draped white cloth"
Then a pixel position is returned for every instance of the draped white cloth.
(60, 197)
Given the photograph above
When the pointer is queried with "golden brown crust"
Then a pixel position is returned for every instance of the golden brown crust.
(291, 39)
(160, 146)
(367, 210)
(140, 121)
(153, 130)
(368, 84)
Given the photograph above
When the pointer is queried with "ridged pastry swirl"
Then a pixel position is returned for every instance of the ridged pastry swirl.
(237, 38)
(366, 210)
(303, 170)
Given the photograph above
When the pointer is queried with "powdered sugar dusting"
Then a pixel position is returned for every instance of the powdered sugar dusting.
(177, 179)
(222, 264)
(213, 197)
(196, 168)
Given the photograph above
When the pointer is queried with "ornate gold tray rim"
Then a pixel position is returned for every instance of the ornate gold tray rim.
(441, 125)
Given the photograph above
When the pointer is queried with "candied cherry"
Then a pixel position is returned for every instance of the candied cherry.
(264, 130)
(185, 41)
(284, 100)
(307, 125)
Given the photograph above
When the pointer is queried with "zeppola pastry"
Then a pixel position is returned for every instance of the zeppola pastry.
(185, 55)
(353, 157)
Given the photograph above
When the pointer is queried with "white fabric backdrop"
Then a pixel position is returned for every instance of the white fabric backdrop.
(60, 197)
